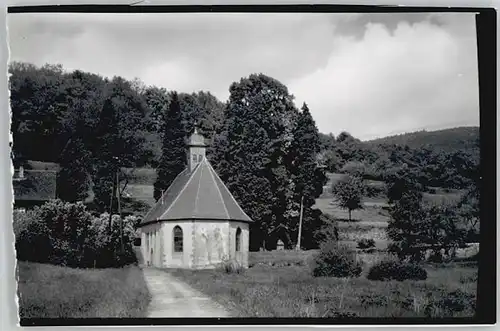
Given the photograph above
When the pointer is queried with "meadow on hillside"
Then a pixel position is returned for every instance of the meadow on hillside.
(280, 284)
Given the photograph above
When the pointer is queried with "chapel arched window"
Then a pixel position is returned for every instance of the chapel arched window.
(178, 240)
(238, 239)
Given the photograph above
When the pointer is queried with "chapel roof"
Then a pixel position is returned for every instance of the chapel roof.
(197, 195)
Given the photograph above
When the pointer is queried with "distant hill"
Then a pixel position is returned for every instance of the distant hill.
(463, 138)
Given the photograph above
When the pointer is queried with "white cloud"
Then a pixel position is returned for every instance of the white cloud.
(367, 74)
(173, 75)
(391, 82)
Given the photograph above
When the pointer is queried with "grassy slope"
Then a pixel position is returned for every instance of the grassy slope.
(371, 221)
(265, 291)
(59, 292)
(141, 180)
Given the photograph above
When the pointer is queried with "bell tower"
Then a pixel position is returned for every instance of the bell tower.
(196, 149)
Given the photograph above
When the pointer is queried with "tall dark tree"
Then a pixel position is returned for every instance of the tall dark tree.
(119, 139)
(157, 100)
(416, 225)
(250, 152)
(400, 181)
(469, 212)
(203, 110)
(406, 225)
(38, 105)
(307, 178)
(73, 178)
(213, 113)
(441, 230)
(84, 97)
(173, 158)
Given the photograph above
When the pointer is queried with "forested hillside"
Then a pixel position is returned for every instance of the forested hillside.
(51, 107)
(447, 140)
(262, 144)
(445, 158)
(98, 129)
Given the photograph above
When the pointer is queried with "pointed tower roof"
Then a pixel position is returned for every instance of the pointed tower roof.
(197, 195)
(196, 139)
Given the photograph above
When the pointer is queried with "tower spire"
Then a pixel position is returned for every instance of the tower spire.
(196, 149)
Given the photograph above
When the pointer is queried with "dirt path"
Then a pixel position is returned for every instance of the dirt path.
(173, 298)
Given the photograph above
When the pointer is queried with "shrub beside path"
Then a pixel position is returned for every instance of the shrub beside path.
(172, 298)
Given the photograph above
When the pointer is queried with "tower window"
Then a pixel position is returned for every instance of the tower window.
(194, 157)
(178, 239)
(200, 157)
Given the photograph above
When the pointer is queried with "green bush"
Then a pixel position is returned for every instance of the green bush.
(108, 246)
(436, 257)
(457, 301)
(329, 231)
(404, 252)
(231, 267)
(66, 234)
(394, 269)
(69, 232)
(336, 260)
(53, 233)
(366, 243)
(32, 237)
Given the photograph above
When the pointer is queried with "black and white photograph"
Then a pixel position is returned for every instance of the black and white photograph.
(240, 165)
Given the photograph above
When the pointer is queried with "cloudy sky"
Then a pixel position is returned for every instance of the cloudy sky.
(369, 74)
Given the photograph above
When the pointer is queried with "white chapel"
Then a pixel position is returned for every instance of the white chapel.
(196, 223)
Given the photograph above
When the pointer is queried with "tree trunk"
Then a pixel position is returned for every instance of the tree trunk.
(300, 222)
(113, 193)
(119, 211)
(124, 186)
(349, 215)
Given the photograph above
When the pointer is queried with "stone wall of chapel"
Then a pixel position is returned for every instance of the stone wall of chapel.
(242, 255)
(178, 259)
(151, 245)
(205, 244)
(211, 243)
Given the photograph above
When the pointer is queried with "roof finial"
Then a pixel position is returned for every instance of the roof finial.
(195, 129)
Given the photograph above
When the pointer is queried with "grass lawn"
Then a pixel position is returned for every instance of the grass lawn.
(49, 291)
(266, 291)
(380, 245)
(443, 197)
(367, 214)
(40, 165)
(141, 176)
(280, 257)
(139, 192)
